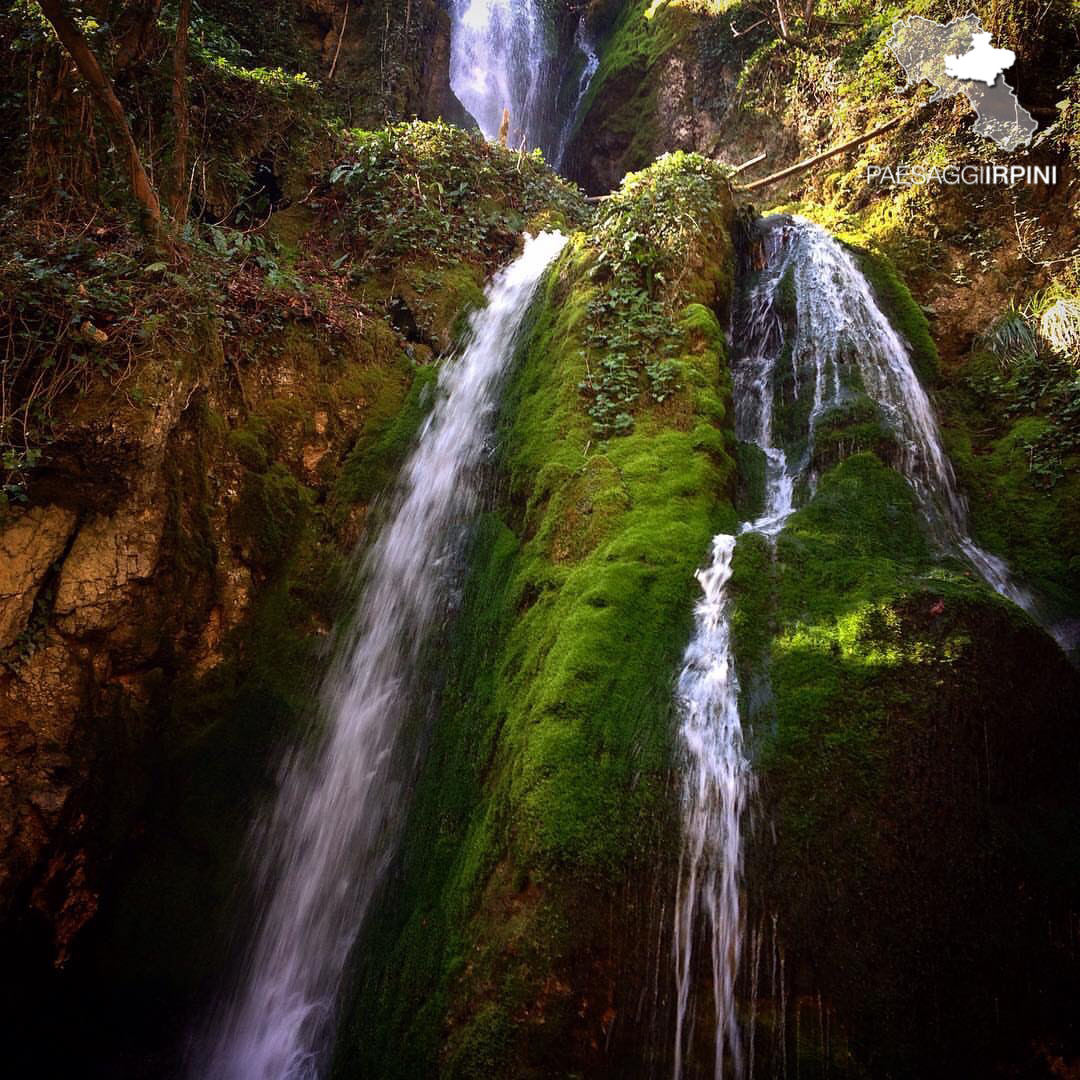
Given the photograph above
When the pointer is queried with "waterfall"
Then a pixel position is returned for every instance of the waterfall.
(805, 326)
(846, 321)
(323, 847)
(505, 54)
(716, 788)
(588, 70)
(717, 778)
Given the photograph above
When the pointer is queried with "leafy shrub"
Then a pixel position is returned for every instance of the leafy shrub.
(437, 189)
(641, 238)
(1010, 338)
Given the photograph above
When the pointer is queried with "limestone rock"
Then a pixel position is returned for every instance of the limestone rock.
(108, 554)
(28, 547)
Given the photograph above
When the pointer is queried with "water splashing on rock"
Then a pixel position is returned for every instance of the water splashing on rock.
(509, 54)
(807, 332)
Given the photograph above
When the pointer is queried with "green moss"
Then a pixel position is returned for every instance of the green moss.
(623, 89)
(903, 312)
(852, 428)
(1036, 529)
(249, 448)
(394, 417)
(548, 769)
(750, 494)
(786, 297)
(441, 300)
(869, 671)
(793, 401)
(188, 531)
(752, 603)
(269, 514)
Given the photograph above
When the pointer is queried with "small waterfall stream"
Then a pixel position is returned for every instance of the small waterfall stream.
(809, 315)
(505, 54)
(592, 62)
(323, 847)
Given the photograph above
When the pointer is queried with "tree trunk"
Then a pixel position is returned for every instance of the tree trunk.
(178, 204)
(785, 29)
(136, 27)
(102, 90)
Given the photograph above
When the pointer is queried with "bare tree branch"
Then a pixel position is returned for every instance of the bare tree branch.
(340, 38)
(178, 202)
(101, 89)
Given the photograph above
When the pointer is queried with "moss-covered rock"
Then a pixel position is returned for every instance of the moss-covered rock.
(634, 106)
(545, 789)
(915, 751)
(1014, 439)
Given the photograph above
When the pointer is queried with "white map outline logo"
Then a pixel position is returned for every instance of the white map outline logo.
(957, 58)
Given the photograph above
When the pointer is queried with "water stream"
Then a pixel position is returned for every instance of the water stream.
(323, 847)
(808, 327)
(588, 70)
(505, 54)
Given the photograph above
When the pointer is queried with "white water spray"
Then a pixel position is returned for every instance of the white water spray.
(847, 322)
(324, 846)
(503, 54)
(836, 323)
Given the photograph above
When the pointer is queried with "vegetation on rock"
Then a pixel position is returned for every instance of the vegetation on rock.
(545, 787)
(196, 425)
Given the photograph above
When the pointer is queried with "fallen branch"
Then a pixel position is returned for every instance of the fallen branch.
(736, 33)
(832, 152)
(746, 164)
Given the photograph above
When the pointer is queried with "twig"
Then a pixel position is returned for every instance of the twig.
(746, 164)
(749, 30)
(340, 38)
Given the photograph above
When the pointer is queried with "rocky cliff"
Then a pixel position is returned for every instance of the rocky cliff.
(195, 442)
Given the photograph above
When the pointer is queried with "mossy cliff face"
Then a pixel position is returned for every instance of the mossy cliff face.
(390, 61)
(161, 646)
(643, 99)
(912, 863)
(514, 938)
(173, 561)
(719, 78)
(917, 749)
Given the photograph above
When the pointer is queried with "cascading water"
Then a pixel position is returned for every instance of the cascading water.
(495, 57)
(717, 779)
(504, 54)
(592, 62)
(325, 844)
(810, 328)
(847, 322)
